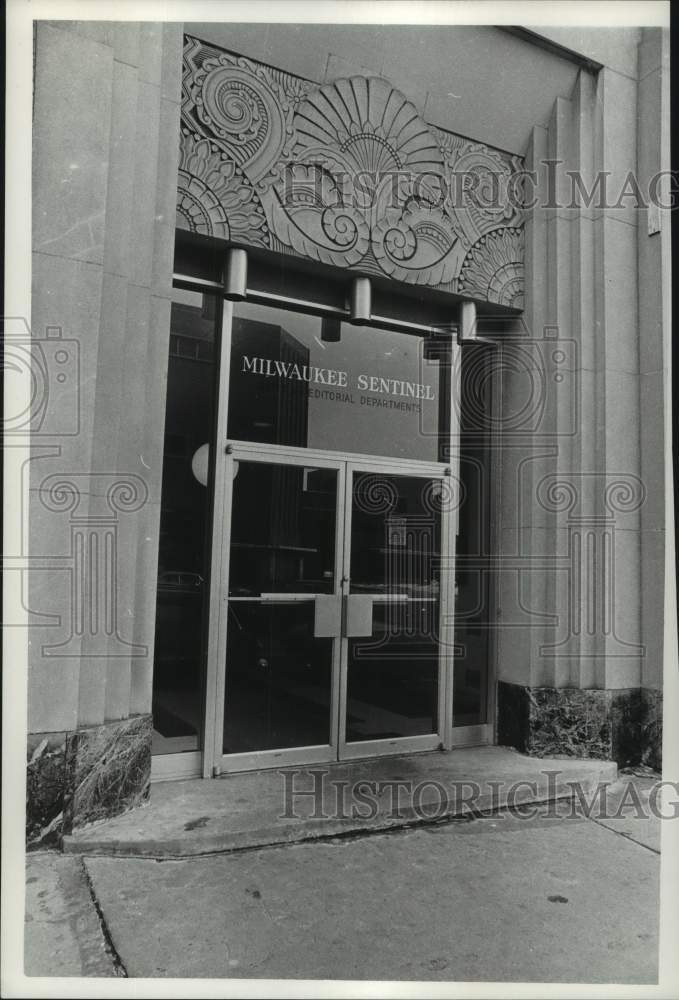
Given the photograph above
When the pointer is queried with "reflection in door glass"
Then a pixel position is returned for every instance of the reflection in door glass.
(392, 680)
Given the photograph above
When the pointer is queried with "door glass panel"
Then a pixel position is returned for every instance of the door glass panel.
(322, 383)
(182, 556)
(278, 670)
(282, 529)
(392, 679)
(278, 678)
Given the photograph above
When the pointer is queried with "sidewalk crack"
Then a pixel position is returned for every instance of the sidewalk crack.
(622, 833)
(118, 964)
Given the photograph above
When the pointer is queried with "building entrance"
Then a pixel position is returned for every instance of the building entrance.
(327, 466)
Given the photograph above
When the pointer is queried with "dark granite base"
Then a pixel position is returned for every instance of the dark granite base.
(651, 728)
(44, 786)
(77, 777)
(623, 725)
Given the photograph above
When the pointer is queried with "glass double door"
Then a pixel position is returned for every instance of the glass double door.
(334, 609)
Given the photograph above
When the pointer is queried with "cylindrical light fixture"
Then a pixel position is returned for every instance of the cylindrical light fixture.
(331, 328)
(360, 300)
(468, 330)
(236, 276)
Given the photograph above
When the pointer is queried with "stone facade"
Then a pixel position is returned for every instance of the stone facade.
(105, 155)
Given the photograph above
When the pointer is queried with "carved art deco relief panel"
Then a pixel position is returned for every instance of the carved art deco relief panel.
(347, 173)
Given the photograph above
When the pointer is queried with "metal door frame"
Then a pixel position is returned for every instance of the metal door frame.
(254, 760)
(338, 748)
(428, 741)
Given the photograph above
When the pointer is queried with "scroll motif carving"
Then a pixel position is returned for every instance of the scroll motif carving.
(347, 173)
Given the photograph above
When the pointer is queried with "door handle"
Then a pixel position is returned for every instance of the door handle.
(328, 616)
(335, 615)
(358, 615)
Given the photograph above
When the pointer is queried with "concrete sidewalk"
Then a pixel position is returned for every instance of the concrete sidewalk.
(556, 897)
(63, 929)
(188, 818)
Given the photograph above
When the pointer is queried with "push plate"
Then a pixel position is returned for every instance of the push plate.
(359, 615)
(328, 616)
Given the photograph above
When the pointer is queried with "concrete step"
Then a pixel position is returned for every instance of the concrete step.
(293, 804)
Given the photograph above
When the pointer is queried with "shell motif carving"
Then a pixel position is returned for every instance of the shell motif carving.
(347, 173)
(371, 141)
(214, 197)
(493, 268)
(364, 124)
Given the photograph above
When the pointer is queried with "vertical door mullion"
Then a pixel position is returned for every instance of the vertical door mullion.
(336, 679)
(446, 629)
(219, 566)
(493, 582)
(346, 574)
